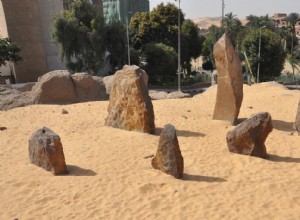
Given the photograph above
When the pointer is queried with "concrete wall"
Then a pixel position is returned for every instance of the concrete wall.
(48, 9)
(24, 27)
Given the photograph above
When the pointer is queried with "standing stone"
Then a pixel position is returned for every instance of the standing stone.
(168, 157)
(297, 121)
(46, 151)
(130, 107)
(249, 137)
(230, 81)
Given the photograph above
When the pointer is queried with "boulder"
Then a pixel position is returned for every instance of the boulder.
(108, 81)
(168, 157)
(130, 106)
(297, 121)
(230, 81)
(46, 151)
(89, 88)
(178, 95)
(55, 87)
(157, 95)
(249, 137)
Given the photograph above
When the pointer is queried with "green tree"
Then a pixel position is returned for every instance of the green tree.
(232, 26)
(272, 56)
(292, 19)
(8, 51)
(294, 59)
(80, 34)
(161, 62)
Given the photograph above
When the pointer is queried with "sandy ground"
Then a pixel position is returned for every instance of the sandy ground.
(109, 179)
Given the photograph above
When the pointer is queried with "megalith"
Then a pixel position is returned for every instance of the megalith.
(46, 151)
(130, 107)
(249, 137)
(230, 81)
(297, 121)
(168, 157)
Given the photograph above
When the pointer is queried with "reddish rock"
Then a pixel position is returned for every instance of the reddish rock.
(168, 157)
(249, 137)
(230, 81)
(130, 107)
(297, 121)
(46, 151)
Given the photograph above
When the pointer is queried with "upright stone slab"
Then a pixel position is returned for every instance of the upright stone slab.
(46, 151)
(168, 157)
(130, 107)
(249, 137)
(230, 81)
(297, 121)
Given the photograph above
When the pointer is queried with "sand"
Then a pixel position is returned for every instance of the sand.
(110, 179)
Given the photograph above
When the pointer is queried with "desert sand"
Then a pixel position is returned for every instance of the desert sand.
(109, 178)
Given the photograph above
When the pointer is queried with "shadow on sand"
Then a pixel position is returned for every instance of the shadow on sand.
(78, 171)
(276, 158)
(196, 178)
(282, 125)
(182, 133)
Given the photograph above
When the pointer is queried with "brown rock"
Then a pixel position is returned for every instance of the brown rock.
(55, 87)
(130, 106)
(249, 137)
(297, 121)
(230, 84)
(168, 157)
(89, 88)
(46, 151)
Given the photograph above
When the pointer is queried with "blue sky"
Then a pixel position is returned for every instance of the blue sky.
(241, 8)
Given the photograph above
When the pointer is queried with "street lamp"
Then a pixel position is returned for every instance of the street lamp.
(259, 45)
(128, 46)
(179, 51)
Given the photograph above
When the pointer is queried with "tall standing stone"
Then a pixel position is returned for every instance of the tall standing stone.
(249, 137)
(130, 107)
(46, 151)
(168, 157)
(230, 81)
(297, 121)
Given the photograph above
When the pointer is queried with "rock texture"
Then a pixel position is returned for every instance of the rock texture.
(297, 121)
(89, 88)
(46, 151)
(230, 84)
(249, 137)
(168, 157)
(55, 87)
(130, 106)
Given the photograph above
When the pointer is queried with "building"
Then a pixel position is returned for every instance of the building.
(120, 10)
(28, 23)
(280, 21)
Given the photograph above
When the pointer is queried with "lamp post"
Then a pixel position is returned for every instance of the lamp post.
(259, 45)
(128, 46)
(179, 50)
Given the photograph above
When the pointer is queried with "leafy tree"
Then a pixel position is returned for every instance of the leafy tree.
(257, 22)
(115, 42)
(80, 34)
(8, 51)
(161, 62)
(292, 19)
(272, 56)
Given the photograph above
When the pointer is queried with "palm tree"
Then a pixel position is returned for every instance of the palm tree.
(232, 26)
(292, 20)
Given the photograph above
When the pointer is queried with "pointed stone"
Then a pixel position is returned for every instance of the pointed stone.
(249, 137)
(230, 81)
(168, 157)
(46, 151)
(130, 107)
(297, 121)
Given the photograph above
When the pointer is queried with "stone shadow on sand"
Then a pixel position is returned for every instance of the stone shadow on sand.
(283, 125)
(239, 121)
(78, 171)
(197, 178)
(276, 158)
(182, 133)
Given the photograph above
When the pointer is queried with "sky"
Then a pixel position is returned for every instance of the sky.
(241, 8)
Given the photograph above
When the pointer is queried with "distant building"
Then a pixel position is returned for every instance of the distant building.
(28, 23)
(120, 10)
(280, 21)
